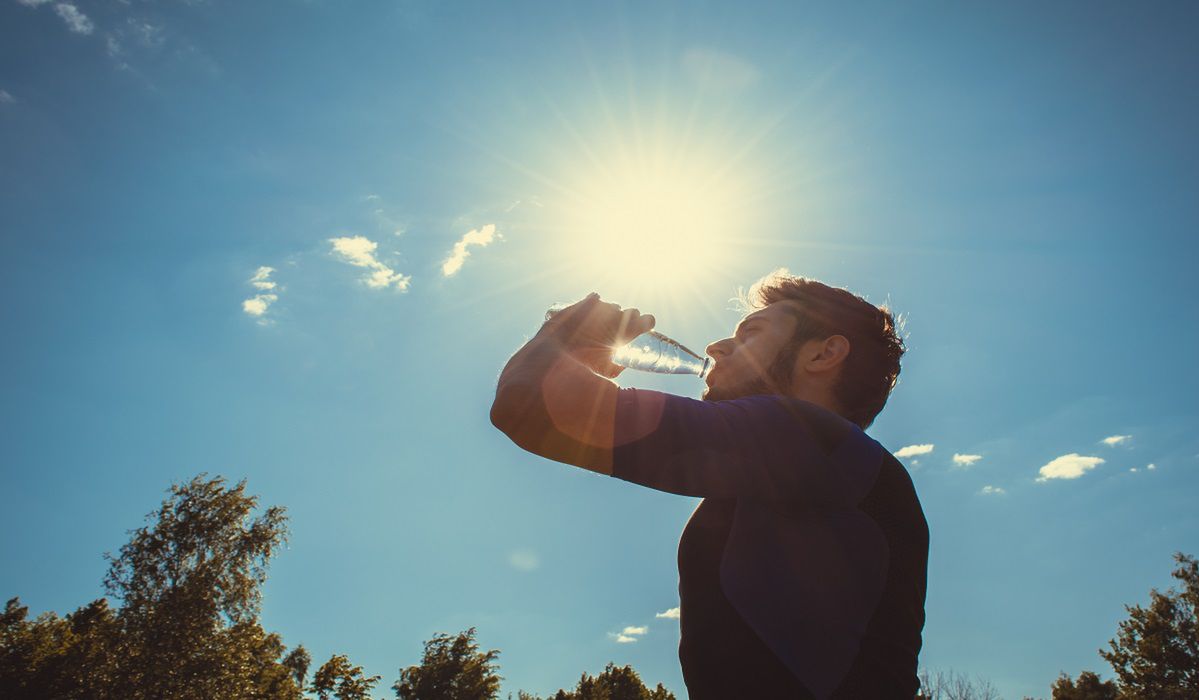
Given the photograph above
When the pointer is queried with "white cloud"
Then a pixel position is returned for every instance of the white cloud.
(258, 304)
(6, 98)
(629, 634)
(672, 614)
(718, 70)
(913, 450)
(1134, 470)
(261, 278)
(1069, 466)
(965, 460)
(360, 252)
(1116, 440)
(76, 21)
(524, 560)
(480, 237)
(74, 18)
(1151, 467)
(989, 490)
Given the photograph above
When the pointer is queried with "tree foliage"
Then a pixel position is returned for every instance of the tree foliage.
(188, 591)
(1087, 687)
(340, 679)
(189, 584)
(1156, 650)
(613, 683)
(452, 668)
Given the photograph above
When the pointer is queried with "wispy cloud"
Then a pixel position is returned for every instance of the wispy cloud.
(718, 70)
(913, 450)
(74, 18)
(524, 560)
(961, 460)
(135, 32)
(1069, 466)
(478, 237)
(76, 21)
(6, 98)
(672, 614)
(260, 303)
(990, 490)
(360, 252)
(1148, 467)
(1114, 440)
(628, 635)
(262, 278)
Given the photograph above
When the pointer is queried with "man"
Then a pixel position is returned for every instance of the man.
(802, 572)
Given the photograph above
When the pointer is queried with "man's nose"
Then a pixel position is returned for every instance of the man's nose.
(718, 349)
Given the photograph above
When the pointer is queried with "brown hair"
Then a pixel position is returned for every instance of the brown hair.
(875, 346)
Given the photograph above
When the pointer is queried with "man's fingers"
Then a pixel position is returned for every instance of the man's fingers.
(592, 321)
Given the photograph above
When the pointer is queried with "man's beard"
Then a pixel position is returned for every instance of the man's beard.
(776, 381)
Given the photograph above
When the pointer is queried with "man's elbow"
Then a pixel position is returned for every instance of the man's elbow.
(501, 415)
(512, 411)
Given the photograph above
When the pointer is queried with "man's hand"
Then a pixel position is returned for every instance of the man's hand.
(591, 329)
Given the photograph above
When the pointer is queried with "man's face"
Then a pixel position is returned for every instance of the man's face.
(758, 358)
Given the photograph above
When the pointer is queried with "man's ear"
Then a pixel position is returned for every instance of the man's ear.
(831, 352)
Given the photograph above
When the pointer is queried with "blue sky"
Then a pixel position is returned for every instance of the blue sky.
(1018, 180)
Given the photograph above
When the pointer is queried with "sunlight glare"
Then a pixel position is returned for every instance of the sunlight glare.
(654, 224)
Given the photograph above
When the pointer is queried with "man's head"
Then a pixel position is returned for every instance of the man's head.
(807, 340)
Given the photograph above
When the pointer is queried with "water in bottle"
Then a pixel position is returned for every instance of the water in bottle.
(654, 352)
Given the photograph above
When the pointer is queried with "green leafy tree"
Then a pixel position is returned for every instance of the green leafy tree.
(340, 679)
(190, 583)
(1156, 650)
(52, 657)
(452, 668)
(298, 661)
(613, 683)
(1087, 687)
(190, 587)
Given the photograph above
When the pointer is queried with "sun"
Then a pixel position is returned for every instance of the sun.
(652, 221)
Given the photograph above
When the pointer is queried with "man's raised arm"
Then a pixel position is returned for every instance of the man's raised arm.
(552, 399)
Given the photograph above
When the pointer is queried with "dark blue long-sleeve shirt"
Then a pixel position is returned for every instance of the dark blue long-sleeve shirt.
(802, 574)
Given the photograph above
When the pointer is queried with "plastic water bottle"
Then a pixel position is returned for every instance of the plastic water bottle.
(654, 352)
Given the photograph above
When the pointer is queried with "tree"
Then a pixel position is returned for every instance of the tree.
(613, 683)
(190, 587)
(1156, 650)
(298, 662)
(1088, 687)
(190, 584)
(951, 685)
(452, 668)
(338, 678)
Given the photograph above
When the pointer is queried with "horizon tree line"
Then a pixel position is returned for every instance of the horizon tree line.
(187, 588)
